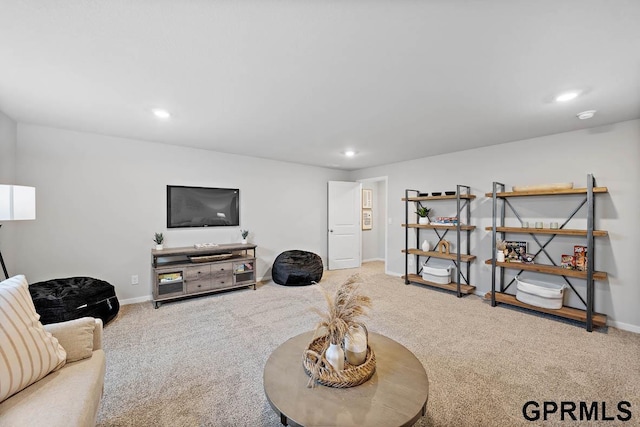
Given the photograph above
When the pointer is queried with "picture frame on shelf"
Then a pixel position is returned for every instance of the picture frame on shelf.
(367, 199)
(515, 251)
(367, 219)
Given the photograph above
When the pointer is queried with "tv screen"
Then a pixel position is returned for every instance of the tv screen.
(202, 207)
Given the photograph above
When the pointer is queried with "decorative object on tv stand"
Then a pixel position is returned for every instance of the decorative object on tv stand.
(17, 203)
(423, 214)
(324, 358)
(159, 239)
(244, 234)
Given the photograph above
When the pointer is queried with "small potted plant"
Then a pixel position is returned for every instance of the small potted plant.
(159, 239)
(244, 234)
(423, 214)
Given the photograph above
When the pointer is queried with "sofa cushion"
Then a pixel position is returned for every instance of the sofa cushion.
(27, 351)
(69, 397)
(75, 336)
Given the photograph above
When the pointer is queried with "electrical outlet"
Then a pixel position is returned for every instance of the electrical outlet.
(410, 260)
(134, 279)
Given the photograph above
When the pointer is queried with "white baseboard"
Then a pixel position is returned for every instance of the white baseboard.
(624, 326)
(610, 322)
(135, 300)
(150, 298)
(373, 259)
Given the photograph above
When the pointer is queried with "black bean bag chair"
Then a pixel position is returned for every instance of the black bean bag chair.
(59, 300)
(297, 268)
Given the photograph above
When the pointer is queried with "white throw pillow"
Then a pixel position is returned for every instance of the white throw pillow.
(75, 336)
(27, 351)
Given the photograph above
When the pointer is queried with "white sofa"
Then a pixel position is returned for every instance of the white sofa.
(67, 397)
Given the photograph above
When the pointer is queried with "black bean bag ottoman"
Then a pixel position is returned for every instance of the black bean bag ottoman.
(297, 268)
(60, 300)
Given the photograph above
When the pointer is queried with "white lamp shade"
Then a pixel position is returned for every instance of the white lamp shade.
(17, 202)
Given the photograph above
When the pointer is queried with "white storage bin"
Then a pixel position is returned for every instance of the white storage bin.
(437, 274)
(540, 294)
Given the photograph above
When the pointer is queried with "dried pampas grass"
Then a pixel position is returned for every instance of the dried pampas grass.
(343, 309)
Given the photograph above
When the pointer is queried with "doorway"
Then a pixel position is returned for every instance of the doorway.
(374, 239)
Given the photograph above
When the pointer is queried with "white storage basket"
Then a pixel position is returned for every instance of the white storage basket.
(440, 275)
(540, 294)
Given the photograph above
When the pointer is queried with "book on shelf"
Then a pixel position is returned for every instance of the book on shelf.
(580, 255)
(445, 220)
(568, 262)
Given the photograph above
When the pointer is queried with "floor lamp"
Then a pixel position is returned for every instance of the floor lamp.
(17, 203)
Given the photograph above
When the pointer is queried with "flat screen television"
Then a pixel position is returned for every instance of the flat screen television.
(202, 207)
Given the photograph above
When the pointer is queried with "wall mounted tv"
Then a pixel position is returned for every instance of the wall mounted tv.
(202, 207)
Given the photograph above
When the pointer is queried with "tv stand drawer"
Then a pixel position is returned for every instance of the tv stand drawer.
(195, 286)
(200, 273)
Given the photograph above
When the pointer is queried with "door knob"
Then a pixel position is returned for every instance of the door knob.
(330, 231)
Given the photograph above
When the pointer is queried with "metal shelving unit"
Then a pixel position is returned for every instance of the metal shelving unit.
(461, 258)
(500, 203)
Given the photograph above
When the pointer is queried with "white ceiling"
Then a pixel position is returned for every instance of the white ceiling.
(302, 80)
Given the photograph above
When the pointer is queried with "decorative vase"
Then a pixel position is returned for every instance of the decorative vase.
(335, 356)
(425, 246)
(243, 241)
(423, 220)
(499, 256)
(159, 247)
(355, 344)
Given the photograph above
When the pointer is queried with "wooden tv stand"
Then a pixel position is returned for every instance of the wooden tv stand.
(181, 272)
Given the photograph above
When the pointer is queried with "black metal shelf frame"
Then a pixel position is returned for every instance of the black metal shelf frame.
(462, 204)
(499, 214)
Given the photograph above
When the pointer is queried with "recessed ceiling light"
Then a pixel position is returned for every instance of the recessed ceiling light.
(586, 114)
(568, 96)
(161, 114)
(349, 153)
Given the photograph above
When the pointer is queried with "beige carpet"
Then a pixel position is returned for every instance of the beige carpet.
(199, 362)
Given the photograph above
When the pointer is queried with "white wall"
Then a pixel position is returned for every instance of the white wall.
(8, 141)
(611, 153)
(100, 199)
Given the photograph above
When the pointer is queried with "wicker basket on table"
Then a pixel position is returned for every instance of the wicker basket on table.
(318, 369)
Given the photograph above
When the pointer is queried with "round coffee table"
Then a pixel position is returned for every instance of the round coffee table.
(396, 394)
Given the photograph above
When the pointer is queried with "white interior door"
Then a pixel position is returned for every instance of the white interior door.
(344, 224)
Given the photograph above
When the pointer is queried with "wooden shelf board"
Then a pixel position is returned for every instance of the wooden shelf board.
(440, 227)
(425, 198)
(190, 250)
(563, 231)
(434, 254)
(566, 312)
(547, 192)
(464, 289)
(550, 269)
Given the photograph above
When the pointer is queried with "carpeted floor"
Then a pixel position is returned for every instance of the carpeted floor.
(199, 362)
